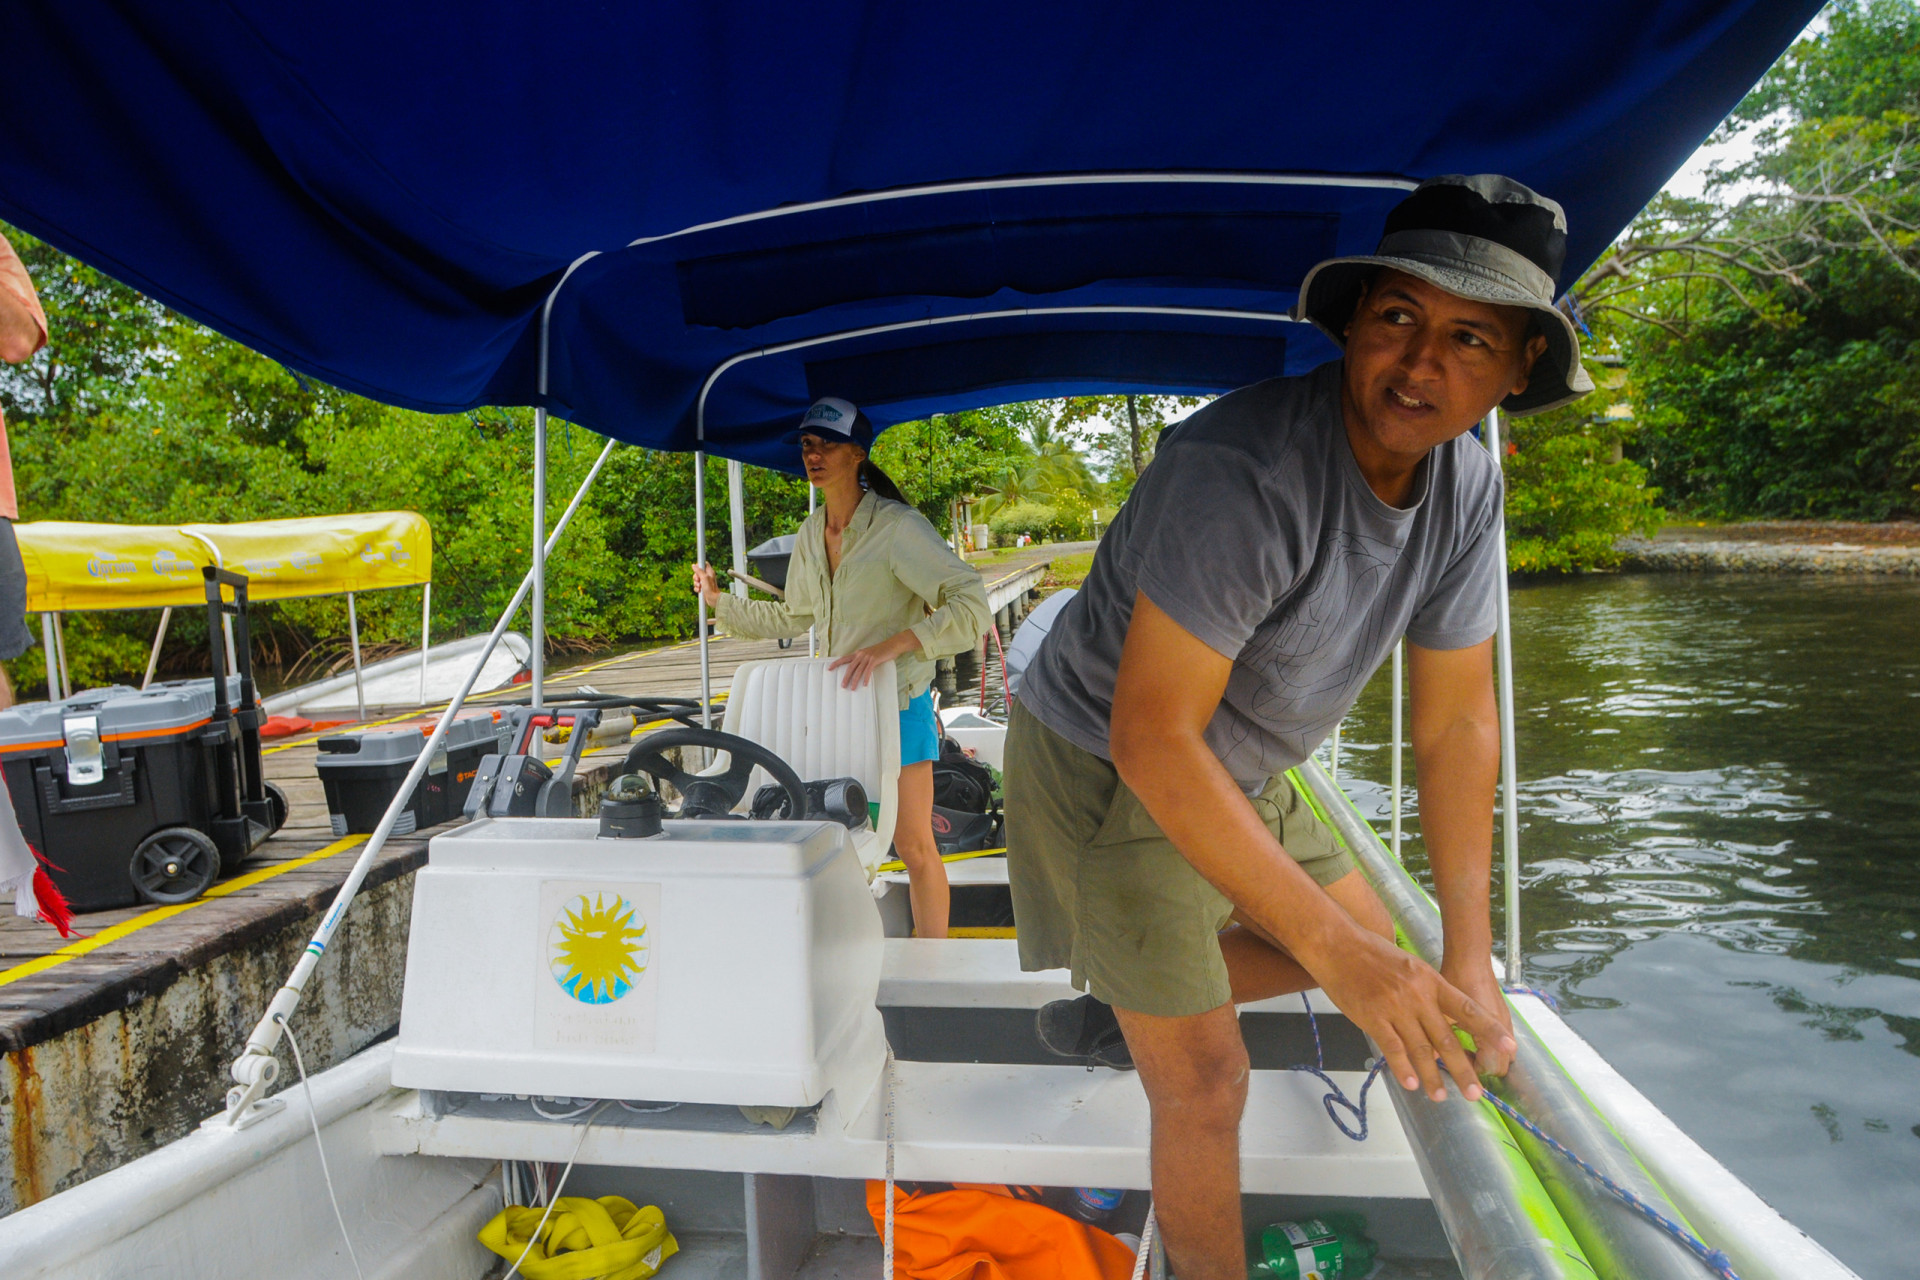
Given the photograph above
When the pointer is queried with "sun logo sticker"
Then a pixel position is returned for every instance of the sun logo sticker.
(597, 948)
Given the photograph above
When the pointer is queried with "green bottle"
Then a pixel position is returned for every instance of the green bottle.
(1331, 1246)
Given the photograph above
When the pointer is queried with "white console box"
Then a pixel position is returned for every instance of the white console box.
(723, 962)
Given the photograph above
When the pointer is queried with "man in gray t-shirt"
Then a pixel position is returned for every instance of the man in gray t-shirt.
(1284, 540)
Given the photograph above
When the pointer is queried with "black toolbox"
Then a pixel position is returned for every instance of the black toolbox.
(362, 771)
(144, 795)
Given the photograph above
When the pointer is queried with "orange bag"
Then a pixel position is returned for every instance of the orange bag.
(979, 1232)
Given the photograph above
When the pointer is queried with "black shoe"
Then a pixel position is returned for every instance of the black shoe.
(1085, 1030)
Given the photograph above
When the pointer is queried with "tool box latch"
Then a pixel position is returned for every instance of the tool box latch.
(85, 765)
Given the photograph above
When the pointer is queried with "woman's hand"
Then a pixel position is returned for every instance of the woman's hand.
(861, 662)
(706, 583)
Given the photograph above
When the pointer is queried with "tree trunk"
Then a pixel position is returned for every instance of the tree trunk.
(1133, 433)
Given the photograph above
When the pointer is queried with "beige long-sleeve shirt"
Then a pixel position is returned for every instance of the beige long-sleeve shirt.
(896, 574)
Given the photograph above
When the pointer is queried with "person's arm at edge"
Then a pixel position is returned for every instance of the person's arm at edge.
(23, 325)
(1168, 688)
(1456, 758)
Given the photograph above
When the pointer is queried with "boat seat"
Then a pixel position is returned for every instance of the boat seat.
(797, 709)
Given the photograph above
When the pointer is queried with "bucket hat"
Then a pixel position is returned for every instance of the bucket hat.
(1483, 237)
(832, 418)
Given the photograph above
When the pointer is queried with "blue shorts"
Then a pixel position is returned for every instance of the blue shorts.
(919, 731)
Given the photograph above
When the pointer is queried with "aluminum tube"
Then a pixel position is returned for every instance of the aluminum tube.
(1618, 1241)
(1399, 656)
(1509, 795)
(353, 634)
(699, 600)
(737, 521)
(539, 627)
(159, 639)
(1480, 1186)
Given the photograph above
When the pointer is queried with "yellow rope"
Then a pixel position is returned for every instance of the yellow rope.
(897, 865)
(582, 1239)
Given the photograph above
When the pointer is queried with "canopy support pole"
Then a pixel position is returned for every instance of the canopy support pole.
(255, 1070)
(353, 633)
(539, 655)
(60, 646)
(1509, 795)
(737, 521)
(1399, 657)
(813, 495)
(51, 652)
(699, 600)
(159, 638)
(426, 626)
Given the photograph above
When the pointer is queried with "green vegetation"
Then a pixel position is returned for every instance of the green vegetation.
(1772, 328)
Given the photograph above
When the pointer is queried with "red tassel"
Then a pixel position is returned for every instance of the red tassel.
(53, 904)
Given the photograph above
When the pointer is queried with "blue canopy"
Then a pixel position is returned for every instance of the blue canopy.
(384, 195)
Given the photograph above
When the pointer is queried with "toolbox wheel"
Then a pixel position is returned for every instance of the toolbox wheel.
(277, 798)
(174, 865)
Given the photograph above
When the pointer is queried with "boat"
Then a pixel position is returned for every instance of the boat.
(399, 681)
(707, 1014)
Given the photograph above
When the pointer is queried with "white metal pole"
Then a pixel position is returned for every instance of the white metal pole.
(1509, 794)
(159, 638)
(700, 601)
(812, 496)
(254, 1071)
(1333, 753)
(737, 520)
(426, 628)
(233, 659)
(60, 647)
(539, 655)
(353, 633)
(1399, 655)
(51, 649)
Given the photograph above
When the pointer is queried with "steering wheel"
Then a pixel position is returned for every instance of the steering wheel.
(712, 795)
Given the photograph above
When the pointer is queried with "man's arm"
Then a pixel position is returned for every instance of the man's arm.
(1456, 756)
(1168, 688)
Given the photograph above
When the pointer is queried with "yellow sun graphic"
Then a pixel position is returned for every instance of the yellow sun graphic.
(597, 949)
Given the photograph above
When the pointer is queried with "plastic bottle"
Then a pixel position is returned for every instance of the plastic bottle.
(1329, 1246)
(1096, 1204)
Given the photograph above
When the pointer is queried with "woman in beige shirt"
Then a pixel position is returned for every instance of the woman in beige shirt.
(880, 581)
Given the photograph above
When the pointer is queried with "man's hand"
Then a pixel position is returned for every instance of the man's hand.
(1168, 689)
(706, 584)
(861, 662)
(1410, 1011)
(1456, 755)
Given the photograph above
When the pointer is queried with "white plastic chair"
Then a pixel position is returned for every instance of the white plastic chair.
(796, 709)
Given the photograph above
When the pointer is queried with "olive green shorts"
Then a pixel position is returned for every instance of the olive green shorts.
(1099, 889)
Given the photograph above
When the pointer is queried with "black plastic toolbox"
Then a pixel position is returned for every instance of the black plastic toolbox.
(362, 771)
(93, 776)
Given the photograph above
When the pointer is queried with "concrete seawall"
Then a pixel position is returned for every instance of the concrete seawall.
(1764, 557)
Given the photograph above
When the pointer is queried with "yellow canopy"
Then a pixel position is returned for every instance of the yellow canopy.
(73, 567)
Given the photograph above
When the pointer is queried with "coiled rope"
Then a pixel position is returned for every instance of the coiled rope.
(1336, 1099)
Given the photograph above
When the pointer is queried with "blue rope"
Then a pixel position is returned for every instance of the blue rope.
(1337, 1100)
(1716, 1259)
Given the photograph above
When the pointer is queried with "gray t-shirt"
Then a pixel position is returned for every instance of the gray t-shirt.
(1255, 531)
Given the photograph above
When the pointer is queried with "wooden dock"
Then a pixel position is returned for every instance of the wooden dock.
(117, 1042)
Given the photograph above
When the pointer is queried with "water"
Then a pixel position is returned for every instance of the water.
(1720, 826)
